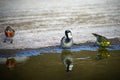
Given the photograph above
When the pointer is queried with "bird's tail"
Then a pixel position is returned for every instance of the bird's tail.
(96, 35)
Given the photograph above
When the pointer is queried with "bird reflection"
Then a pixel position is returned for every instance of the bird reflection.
(10, 63)
(67, 59)
(103, 53)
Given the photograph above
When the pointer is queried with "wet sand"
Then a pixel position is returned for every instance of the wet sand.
(50, 67)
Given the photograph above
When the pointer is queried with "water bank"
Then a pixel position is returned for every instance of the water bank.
(89, 46)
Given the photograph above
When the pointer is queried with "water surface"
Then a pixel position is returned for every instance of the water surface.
(49, 66)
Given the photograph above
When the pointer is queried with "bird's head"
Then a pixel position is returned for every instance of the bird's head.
(68, 34)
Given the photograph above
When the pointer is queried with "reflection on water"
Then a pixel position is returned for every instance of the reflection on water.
(103, 53)
(67, 59)
(48, 66)
(11, 62)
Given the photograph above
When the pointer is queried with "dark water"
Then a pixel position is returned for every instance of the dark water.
(49, 66)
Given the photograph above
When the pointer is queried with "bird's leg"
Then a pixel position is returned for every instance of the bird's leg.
(5, 39)
(11, 41)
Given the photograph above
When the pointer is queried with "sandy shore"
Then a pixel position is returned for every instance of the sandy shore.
(42, 26)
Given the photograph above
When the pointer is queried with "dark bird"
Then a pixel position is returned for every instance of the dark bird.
(67, 40)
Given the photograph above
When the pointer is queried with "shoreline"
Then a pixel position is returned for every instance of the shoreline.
(88, 46)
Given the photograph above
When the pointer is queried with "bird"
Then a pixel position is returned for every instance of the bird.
(67, 40)
(9, 33)
(101, 40)
(67, 59)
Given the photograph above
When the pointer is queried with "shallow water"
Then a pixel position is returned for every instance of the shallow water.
(88, 65)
